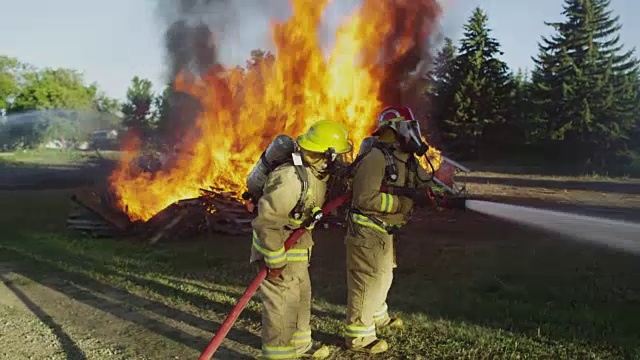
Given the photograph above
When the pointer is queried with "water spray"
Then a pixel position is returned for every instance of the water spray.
(617, 234)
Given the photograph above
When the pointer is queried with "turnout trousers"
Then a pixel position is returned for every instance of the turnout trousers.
(286, 309)
(370, 264)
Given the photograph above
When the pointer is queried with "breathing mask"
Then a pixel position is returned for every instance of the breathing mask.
(410, 137)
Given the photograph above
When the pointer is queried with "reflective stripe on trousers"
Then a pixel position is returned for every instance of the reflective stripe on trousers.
(360, 331)
(301, 338)
(381, 313)
(278, 352)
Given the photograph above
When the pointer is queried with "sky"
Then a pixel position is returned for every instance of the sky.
(112, 41)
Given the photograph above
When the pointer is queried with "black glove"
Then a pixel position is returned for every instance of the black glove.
(420, 198)
(338, 168)
(393, 230)
(458, 203)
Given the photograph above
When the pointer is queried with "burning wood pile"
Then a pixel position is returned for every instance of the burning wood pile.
(96, 213)
(214, 211)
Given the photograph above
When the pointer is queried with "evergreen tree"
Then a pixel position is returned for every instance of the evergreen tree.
(442, 85)
(482, 90)
(137, 110)
(586, 86)
(519, 128)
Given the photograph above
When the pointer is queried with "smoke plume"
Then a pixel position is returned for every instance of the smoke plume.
(201, 34)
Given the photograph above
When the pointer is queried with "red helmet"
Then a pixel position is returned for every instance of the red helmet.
(401, 120)
(391, 115)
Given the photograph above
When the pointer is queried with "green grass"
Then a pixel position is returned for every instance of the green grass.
(592, 177)
(549, 171)
(471, 289)
(50, 157)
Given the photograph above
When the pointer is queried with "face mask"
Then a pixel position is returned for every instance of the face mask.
(410, 138)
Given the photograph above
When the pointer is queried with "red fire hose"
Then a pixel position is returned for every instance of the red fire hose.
(253, 287)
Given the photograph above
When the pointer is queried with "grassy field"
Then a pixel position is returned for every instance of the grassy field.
(468, 286)
(46, 157)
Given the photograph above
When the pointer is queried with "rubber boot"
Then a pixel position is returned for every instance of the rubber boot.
(375, 347)
(392, 323)
(313, 351)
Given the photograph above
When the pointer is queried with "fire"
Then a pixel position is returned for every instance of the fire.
(243, 110)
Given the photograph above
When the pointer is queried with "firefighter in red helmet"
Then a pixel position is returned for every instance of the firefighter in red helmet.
(374, 220)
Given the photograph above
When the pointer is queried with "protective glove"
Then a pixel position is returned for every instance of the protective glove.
(458, 203)
(420, 198)
(274, 273)
(338, 168)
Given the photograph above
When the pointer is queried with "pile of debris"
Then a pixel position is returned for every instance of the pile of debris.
(95, 213)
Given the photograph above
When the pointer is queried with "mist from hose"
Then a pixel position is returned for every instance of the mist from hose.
(617, 234)
(31, 128)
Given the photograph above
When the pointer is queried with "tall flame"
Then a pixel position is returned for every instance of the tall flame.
(243, 110)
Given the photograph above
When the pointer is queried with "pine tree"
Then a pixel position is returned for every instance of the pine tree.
(482, 91)
(519, 128)
(585, 85)
(442, 85)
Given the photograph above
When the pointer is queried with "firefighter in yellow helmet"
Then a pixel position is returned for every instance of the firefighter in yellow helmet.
(374, 218)
(286, 292)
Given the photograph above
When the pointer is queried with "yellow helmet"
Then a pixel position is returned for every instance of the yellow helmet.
(326, 136)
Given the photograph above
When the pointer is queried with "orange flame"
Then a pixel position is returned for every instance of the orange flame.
(244, 110)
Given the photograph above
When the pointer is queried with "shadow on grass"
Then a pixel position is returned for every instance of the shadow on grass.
(111, 299)
(597, 186)
(472, 269)
(23, 176)
(69, 347)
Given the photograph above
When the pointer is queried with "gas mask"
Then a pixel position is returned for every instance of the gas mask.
(410, 137)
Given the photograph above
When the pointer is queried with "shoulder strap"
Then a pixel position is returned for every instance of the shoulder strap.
(301, 171)
(390, 169)
(412, 168)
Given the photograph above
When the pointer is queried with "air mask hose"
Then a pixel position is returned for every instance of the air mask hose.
(433, 169)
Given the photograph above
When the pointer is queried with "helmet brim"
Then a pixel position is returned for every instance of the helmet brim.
(310, 146)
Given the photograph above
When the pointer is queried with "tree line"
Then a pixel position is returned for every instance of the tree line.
(578, 107)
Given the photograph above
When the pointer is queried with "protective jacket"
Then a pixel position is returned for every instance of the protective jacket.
(273, 225)
(371, 173)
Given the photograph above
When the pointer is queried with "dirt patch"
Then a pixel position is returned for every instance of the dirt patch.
(617, 205)
(54, 318)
